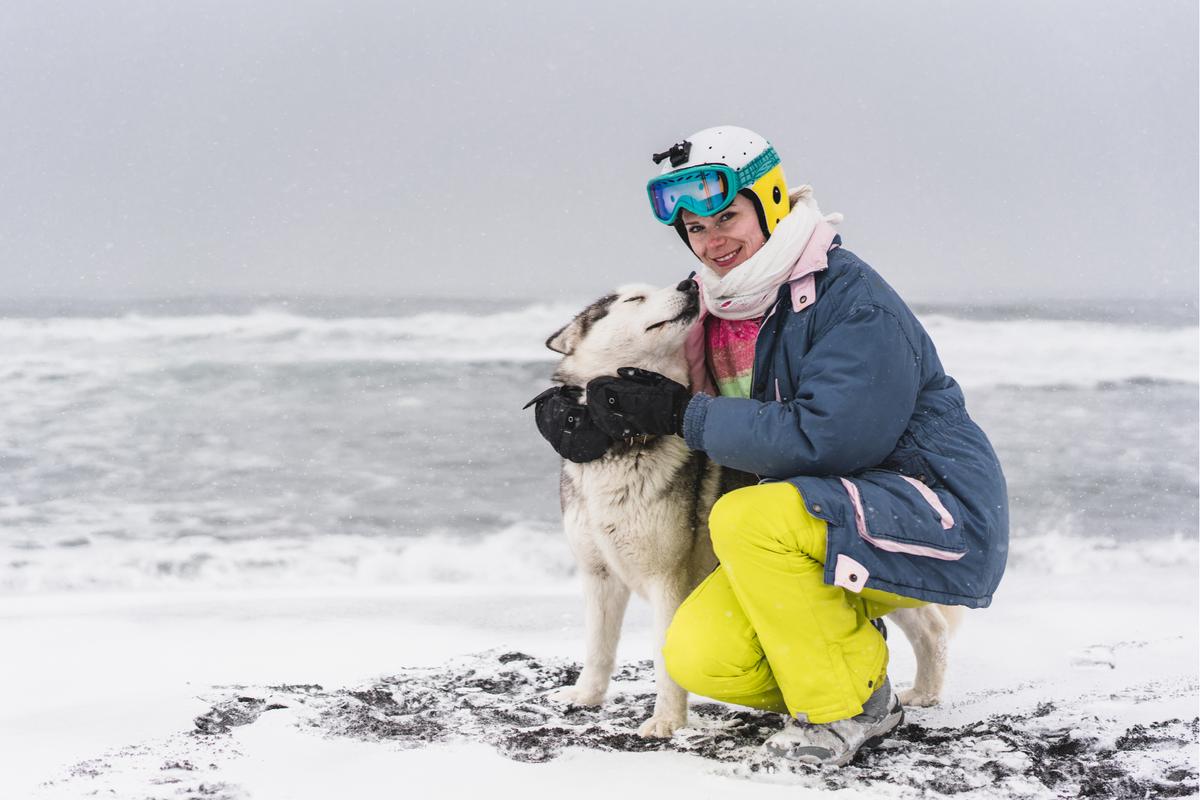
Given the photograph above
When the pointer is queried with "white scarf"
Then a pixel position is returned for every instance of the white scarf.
(749, 289)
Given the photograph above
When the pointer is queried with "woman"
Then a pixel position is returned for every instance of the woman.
(878, 489)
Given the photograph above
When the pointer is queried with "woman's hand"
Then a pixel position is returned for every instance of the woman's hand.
(637, 403)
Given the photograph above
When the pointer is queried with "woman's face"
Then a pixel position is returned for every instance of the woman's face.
(725, 240)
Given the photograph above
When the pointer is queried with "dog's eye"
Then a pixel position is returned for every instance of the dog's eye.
(639, 298)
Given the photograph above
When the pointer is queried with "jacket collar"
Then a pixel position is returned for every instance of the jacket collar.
(815, 258)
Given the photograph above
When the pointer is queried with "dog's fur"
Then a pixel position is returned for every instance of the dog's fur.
(637, 518)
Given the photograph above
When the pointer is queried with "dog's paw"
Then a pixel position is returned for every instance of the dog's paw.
(914, 699)
(660, 727)
(576, 696)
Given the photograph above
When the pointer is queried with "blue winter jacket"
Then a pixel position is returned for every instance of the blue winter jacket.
(850, 403)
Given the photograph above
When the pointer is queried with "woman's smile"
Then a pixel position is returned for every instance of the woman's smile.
(726, 260)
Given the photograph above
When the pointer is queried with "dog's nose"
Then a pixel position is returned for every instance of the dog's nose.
(687, 285)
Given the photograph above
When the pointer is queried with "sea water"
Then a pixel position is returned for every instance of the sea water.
(211, 443)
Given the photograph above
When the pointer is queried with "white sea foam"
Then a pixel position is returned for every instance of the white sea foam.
(1042, 352)
(1058, 554)
(525, 554)
(272, 336)
(521, 554)
(1019, 352)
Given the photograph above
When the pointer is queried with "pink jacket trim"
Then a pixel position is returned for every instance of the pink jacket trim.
(849, 574)
(933, 500)
(693, 351)
(888, 545)
(803, 291)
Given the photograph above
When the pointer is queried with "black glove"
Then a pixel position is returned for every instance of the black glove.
(566, 424)
(637, 403)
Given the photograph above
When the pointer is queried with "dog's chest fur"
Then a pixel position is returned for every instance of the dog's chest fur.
(641, 510)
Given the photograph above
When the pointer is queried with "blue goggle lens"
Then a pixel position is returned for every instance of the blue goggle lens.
(703, 191)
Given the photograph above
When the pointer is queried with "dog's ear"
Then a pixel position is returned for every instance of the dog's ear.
(564, 340)
(567, 339)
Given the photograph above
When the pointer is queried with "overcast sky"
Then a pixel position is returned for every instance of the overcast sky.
(980, 151)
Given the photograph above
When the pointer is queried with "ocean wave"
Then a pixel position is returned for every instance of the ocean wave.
(273, 336)
(526, 554)
(1053, 554)
(1017, 352)
(1064, 353)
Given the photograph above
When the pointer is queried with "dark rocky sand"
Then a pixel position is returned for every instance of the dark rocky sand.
(498, 698)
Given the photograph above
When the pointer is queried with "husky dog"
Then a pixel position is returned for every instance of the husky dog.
(637, 518)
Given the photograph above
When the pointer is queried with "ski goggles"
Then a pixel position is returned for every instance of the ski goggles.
(705, 189)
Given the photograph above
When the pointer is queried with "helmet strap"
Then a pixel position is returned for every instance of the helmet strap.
(681, 229)
(762, 217)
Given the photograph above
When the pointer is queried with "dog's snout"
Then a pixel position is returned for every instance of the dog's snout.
(687, 285)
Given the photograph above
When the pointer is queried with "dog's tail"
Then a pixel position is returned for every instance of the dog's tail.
(953, 616)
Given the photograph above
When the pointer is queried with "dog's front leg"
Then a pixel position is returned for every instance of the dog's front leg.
(670, 702)
(605, 599)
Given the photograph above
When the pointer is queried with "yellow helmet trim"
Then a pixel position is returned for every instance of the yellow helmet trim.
(772, 193)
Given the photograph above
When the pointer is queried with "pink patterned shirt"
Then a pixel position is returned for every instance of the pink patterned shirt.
(729, 347)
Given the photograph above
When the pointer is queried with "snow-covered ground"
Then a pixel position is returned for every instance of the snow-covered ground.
(1082, 681)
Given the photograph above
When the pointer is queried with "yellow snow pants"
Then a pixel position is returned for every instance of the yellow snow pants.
(764, 629)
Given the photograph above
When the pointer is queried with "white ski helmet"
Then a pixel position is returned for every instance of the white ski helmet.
(706, 171)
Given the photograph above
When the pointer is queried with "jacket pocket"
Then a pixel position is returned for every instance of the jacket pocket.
(900, 514)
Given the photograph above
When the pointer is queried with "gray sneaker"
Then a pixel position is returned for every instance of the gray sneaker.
(836, 743)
